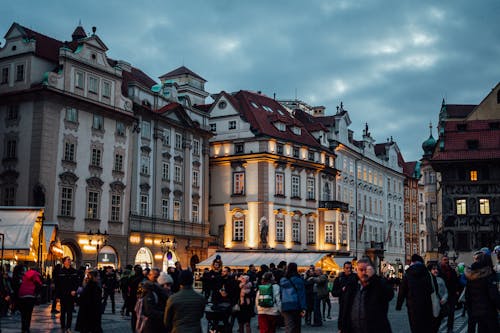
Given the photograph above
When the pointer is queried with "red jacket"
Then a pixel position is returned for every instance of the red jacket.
(31, 282)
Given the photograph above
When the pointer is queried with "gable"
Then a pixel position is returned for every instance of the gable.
(223, 108)
(489, 108)
(172, 115)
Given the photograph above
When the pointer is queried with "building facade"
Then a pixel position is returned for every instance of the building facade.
(467, 156)
(411, 171)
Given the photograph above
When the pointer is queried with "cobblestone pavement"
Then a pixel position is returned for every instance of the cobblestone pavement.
(43, 322)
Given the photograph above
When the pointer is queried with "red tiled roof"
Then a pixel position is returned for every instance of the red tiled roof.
(203, 107)
(380, 149)
(138, 76)
(459, 110)
(46, 47)
(457, 141)
(251, 105)
(183, 70)
(168, 107)
(312, 124)
(409, 167)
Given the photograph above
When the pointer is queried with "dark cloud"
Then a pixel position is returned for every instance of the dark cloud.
(390, 62)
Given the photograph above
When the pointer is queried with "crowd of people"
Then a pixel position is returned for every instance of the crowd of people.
(279, 296)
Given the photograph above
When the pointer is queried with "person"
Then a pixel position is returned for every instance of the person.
(213, 277)
(133, 288)
(67, 286)
(109, 285)
(293, 299)
(55, 281)
(205, 283)
(339, 287)
(30, 285)
(124, 279)
(268, 315)
(245, 303)
(155, 299)
(366, 302)
(482, 297)
(309, 289)
(442, 291)
(448, 274)
(185, 308)
(416, 288)
(89, 311)
(320, 291)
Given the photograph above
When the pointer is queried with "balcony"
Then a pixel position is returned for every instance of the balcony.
(334, 205)
(159, 225)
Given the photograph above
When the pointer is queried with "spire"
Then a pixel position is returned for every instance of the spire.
(430, 127)
(79, 32)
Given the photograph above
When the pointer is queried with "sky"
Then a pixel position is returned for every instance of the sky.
(390, 62)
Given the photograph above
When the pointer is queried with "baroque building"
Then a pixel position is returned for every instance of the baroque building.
(371, 182)
(411, 171)
(466, 156)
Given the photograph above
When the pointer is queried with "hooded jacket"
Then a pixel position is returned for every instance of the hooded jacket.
(31, 282)
(481, 293)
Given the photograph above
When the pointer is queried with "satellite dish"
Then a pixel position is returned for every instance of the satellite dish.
(156, 88)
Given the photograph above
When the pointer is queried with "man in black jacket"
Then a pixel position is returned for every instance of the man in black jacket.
(366, 302)
(109, 285)
(67, 285)
(340, 284)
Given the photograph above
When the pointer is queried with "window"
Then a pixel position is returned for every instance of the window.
(213, 127)
(93, 205)
(66, 201)
(238, 183)
(95, 159)
(414, 228)
(145, 165)
(296, 231)
(296, 152)
(106, 89)
(329, 234)
(196, 147)
(195, 213)
(280, 183)
(177, 210)
(421, 218)
(280, 230)
(5, 75)
(115, 207)
(484, 206)
(98, 123)
(13, 112)
(177, 174)
(118, 165)
(279, 149)
(296, 130)
(164, 208)
(166, 137)
(120, 128)
(79, 80)
(196, 178)
(9, 196)
(295, 186)
(311, 235)
(239, 148)
(71, 115)
(232, 124)
(93, 84)
(69, 151)
(238, 229)
(20, 72)
(310, 189)
(165, 171)
(473, 175)
(11, 151)
(310, 156)
(280, 126)
(178, 141)
(145, 130)
(144, 206)
(389, 209)
(461, 206)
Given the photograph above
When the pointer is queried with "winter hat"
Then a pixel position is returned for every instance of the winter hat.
(165, 278)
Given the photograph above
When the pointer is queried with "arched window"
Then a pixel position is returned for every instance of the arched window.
(238, 227)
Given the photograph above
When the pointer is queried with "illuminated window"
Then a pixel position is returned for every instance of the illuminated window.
(93, 205)
(461, 206)
(238, 229)
(329, 234)
(473, 175)
(239, 183)
(484, 206)
(280, 230)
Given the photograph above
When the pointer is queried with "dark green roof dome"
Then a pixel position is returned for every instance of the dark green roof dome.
(429, 144)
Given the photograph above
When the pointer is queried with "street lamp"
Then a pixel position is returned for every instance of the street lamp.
(166, 245)
(99, 239)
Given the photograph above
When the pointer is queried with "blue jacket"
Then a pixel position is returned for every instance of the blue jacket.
(293, 286)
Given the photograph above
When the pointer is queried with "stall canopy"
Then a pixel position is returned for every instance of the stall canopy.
(244, 259)
(18, 227)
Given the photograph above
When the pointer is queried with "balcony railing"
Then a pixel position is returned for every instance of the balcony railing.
(333, 205)
(158, 225)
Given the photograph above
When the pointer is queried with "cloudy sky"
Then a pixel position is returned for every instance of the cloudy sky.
(390, 62)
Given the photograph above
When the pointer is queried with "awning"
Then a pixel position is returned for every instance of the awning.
(18, 226)
(244, 259)
(49, 233)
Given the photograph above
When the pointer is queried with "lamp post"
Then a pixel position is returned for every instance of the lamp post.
(3, 240)
(99, 239)
(40, 244)
(166, 245)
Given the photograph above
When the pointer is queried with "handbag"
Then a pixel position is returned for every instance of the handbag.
(436, 306)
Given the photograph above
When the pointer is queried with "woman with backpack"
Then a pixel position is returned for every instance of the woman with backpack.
(293, 299)
(268, 303)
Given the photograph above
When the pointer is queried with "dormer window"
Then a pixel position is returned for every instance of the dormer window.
(280, 126)
(254, 105)
(267, 108)
(296, 130)
(222, 105)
